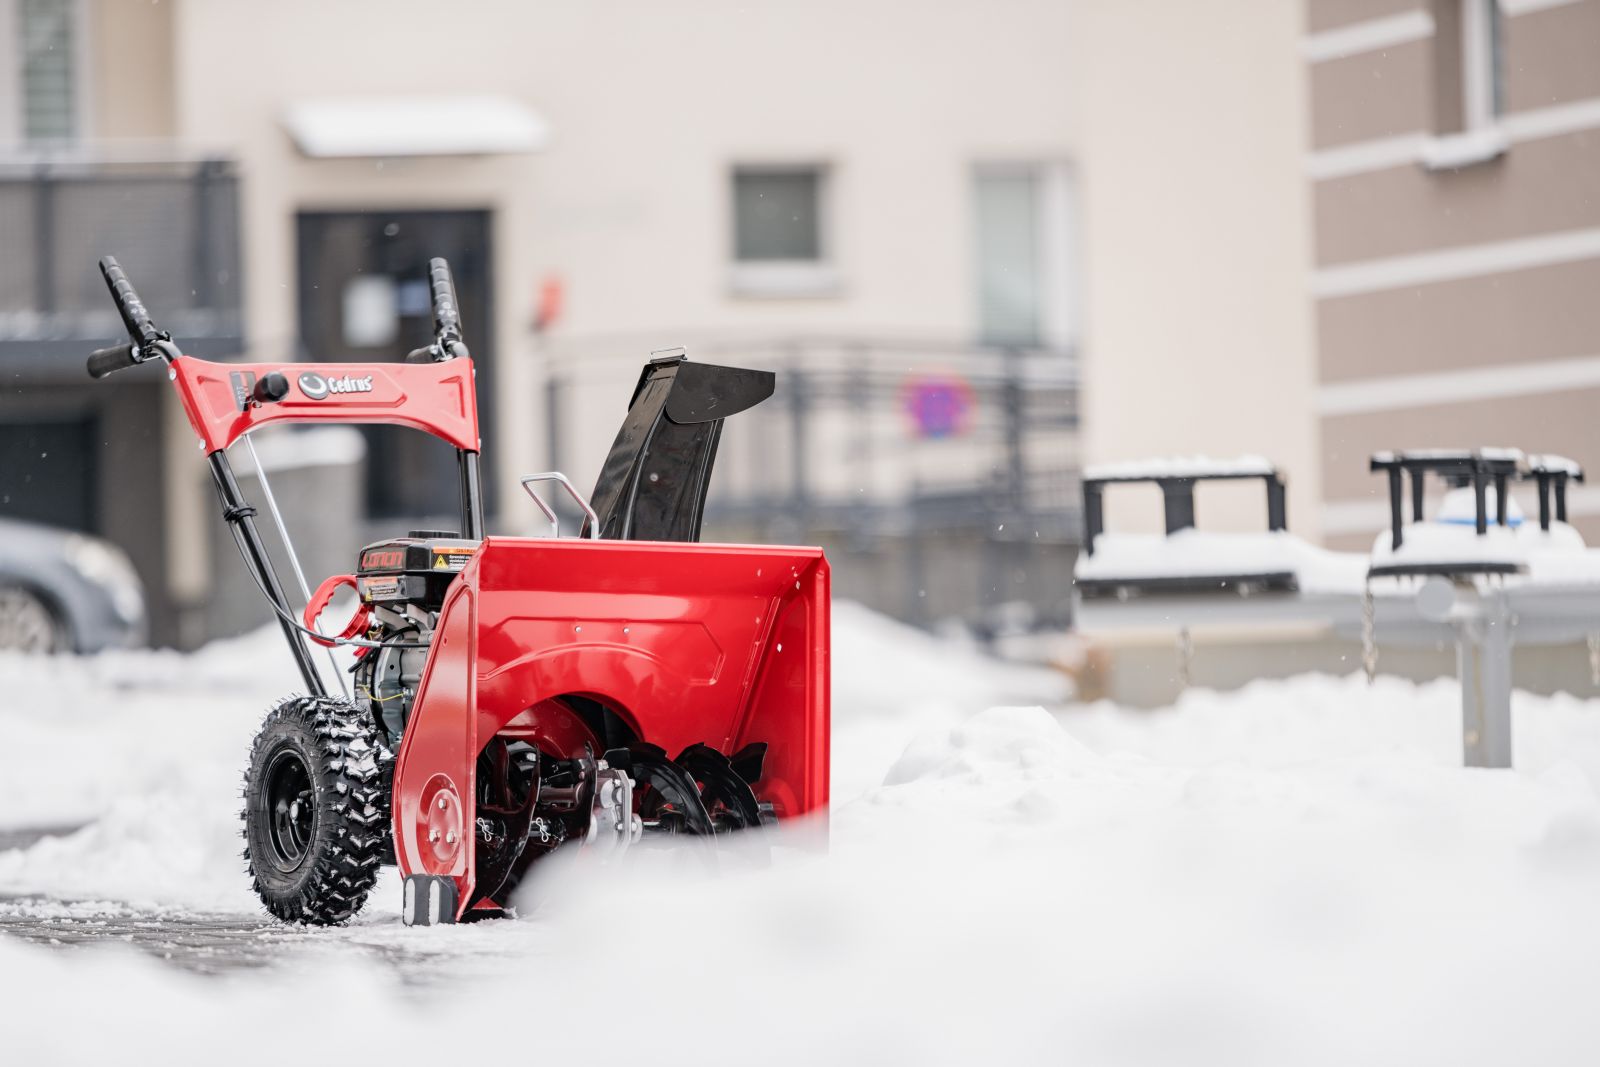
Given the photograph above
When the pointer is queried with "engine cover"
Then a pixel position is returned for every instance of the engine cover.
(415, 569)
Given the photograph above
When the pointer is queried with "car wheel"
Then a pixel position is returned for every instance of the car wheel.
(26, 623)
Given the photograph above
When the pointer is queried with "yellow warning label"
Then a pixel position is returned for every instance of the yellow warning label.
(453, 558)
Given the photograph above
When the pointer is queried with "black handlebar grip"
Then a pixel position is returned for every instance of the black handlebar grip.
(106, 361)
(134, 316)
(446, 317)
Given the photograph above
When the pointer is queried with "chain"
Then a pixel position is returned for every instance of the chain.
(1185, 657)
(1369, 634)
(1594, 659)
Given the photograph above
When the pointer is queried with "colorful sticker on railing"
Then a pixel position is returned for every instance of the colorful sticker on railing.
(939, 405)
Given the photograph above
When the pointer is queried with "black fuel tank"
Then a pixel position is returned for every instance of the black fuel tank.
(416, 568)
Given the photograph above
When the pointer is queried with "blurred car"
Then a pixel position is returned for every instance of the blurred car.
(62, 591)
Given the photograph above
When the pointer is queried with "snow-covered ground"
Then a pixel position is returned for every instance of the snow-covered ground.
(1298, 873)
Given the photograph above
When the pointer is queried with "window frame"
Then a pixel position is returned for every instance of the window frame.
(784, 278)
(13, 130)
(1059, 214)
(1479, 32)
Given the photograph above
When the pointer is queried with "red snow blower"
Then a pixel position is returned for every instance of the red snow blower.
(511, 696)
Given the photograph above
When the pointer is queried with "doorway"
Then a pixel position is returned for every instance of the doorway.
(48, 471)
(364, 297)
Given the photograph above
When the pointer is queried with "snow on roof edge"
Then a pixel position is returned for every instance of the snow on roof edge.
(1181, 467)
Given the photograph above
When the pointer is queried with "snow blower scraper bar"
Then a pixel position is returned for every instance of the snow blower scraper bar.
(514, 695)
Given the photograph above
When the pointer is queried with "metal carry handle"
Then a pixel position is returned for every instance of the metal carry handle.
(593, 525)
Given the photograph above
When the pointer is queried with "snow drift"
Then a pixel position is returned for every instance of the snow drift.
(1296, 873)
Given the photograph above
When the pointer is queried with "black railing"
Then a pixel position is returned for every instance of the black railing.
(922, 460)
(174, 224)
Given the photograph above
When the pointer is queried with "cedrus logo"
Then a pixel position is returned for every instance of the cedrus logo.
(316, 386)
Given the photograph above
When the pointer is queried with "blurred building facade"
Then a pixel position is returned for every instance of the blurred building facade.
(934, 221)
(1455, 168)
(1452, 157)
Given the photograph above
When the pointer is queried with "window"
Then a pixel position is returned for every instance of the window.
(1467, 84)
(41, 70)
(1023, 251)
(780, 239)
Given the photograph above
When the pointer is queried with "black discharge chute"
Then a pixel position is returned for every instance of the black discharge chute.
(653, 484)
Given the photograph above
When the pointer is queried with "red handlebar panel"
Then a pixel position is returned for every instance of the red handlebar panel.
(436, 398)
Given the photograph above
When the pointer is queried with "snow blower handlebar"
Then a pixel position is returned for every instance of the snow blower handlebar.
(447, 340)
(146, 341)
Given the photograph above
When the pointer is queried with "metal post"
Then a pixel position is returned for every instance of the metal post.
(205, 275)
(799, 445)
(1277, 504)
(44, 239)
(552, 422)
(1396, 515)
(1483, 657)
(1178, 502)
(916, 566)
(471, 495)
(1094, 515)
(1016, 459)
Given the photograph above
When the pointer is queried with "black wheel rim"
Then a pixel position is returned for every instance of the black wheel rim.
(291, 817)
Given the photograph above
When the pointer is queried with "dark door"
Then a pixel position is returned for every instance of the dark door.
(47, 471)
(364, 298)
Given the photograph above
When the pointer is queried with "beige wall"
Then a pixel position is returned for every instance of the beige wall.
(1184, 133)
(130, 82)
(649, 105)
(1456, 305)
(1199, 334)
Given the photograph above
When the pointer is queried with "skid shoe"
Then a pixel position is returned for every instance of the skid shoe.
(430, 900)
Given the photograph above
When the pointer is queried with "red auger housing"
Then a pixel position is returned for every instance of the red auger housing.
(513, 695)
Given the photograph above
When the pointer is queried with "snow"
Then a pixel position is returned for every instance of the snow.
(1180, 467)
(1553, 559)
(1555, 464)
(1460, 507)
(1444, 542)
(1299, 872)
(1201, 553)
(1514, 455)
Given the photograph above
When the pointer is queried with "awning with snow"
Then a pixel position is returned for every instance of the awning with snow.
(395, 126)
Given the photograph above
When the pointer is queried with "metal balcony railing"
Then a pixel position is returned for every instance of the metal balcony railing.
(890, 451)
(173, 224)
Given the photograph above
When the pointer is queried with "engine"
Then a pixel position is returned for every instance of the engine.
(403, 583)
